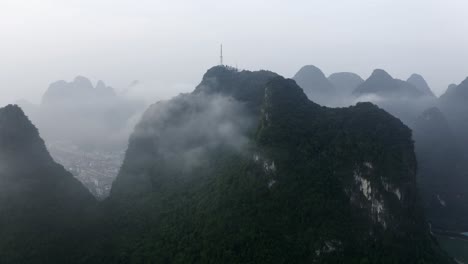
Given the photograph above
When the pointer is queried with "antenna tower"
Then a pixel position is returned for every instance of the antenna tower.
(221, 56)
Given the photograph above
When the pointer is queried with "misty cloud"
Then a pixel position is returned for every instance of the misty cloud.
(86, 115)
(407, 109)
(184, 130)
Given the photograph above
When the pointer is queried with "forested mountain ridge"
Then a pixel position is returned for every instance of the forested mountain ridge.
(41, 204)
(228, 192)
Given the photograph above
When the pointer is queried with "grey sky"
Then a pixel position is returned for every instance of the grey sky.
(168, 45)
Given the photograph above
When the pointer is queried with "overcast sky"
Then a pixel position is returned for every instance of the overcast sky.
(168, 45)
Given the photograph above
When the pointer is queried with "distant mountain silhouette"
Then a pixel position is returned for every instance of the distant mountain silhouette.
(79, 91)
(418, 81)
(401, 99)
(345, 82)
(450, 88)
(381, 84)
(90, 117)
(456, 93)
(315, 84)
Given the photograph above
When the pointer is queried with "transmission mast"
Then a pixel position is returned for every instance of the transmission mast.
(221, 56)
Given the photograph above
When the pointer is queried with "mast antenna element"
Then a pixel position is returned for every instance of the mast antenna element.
(221, 56)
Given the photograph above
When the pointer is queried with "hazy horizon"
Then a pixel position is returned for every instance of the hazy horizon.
(167, 46)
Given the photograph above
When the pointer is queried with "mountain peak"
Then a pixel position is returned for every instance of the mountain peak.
(345, 74)
(420, 83)
(20, 138)
(381, 74)
(310, 70)
(379, 82)
(345, 82)
(100, 85)
(383, 84)
(457, 92)
(416, 76)
(82, 82)
(315, 84)
(11, 110)
(76, 91)
(13, 118)
(451, 86)
(243, 85)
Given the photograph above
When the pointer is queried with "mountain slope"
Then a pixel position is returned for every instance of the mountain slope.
(247, 170)
(40, 202)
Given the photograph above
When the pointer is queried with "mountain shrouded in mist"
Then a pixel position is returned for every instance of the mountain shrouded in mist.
(400, 98)
(451, 87)
(86, 129)
(453, 104)
(245, 169)
(440, 138)
(442, 147)
(228, 192)
(403, 99)
(79, 90)
(441, 178)
(40, 202)
(456, 92)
